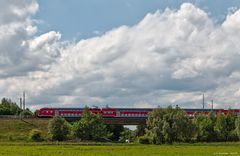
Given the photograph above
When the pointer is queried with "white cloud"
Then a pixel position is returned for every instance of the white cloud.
(169, 57)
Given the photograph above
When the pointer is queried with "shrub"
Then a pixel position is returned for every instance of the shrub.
(144, 140)
(26, 113)
(58, 129)
(35, 135)
(91, 127)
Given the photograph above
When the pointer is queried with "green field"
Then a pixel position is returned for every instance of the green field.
(118, 150)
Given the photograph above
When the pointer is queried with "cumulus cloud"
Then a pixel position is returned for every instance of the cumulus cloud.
(169, 58)
(19, 52)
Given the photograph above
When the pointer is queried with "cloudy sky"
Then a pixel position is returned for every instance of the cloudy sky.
(127, 53)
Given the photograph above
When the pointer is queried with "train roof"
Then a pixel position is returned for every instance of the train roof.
(141, 109)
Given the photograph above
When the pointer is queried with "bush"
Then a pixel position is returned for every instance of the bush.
(26, 113)
(35, 135)
(91, 127)
(144, 140)
(58, 129)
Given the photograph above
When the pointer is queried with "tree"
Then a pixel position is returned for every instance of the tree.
(155, 126)
(183, 128)
(58, 129)
(127, 135)
(36, 112)
(116, 131)
(169, 125)
(140, 131)
(26, 113)
(230, 120)
(90, 127)
(221, 127)
(7, 107)
(205, 127)
(237, 129)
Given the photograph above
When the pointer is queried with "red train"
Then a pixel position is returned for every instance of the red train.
(120, 112)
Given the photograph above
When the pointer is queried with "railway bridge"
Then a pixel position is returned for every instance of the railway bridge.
(119, 121)
(125, 121)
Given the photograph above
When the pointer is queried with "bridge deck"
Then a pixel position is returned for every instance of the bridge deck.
(120, 121)
(125, 121)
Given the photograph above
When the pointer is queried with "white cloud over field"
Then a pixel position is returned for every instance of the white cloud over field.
(170, 57)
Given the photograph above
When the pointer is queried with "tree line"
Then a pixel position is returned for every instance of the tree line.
(163, 126)
(8, 107)
(90, 127)
(173, 125)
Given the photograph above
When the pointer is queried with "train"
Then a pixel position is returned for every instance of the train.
(120, 112)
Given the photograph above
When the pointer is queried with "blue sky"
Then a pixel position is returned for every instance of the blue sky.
(127, 53)
(77, 19)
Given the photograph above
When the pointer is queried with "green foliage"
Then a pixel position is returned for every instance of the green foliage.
(205, 127)
(169, 125)
(7, 107)
(173, 125)
(35, 135)
(237, 129)
(127, 134)
(145, 140)
(26, 113)
(35, 113)
(141, 130)
(90, 127)
(58, 129)
(116, 131)
(221, 127)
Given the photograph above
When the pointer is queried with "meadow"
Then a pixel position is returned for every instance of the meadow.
(68, 149)
(16, 130)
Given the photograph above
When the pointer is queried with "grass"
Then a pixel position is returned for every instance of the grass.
(18, 130)
(55, 149)
(14, 135)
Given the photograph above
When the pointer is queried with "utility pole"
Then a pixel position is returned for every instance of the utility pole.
(24, 100)
(203, 101)
(20, 102)
(212, 105)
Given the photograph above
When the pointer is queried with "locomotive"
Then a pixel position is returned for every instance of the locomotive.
(120, 112)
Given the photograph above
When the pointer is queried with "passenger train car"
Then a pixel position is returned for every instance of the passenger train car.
(120, 112)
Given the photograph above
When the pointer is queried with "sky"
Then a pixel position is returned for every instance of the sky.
(127, 53)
